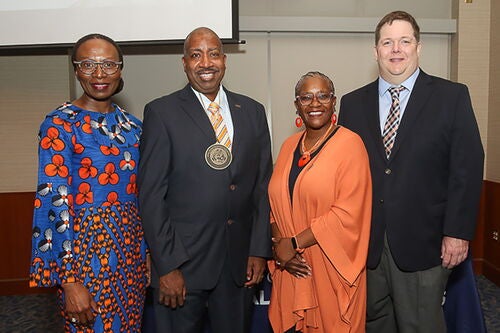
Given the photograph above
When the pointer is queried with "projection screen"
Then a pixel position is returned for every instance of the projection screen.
(59, 23)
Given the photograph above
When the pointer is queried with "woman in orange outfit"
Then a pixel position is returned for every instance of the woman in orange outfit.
(320, 194)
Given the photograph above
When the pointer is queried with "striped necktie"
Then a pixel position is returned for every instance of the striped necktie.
(392, 121)
(219, 126)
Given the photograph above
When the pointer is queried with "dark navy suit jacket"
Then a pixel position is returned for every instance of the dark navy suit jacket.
(195, 217)
(430, 187)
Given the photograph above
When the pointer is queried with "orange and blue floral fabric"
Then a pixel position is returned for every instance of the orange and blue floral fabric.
(86, 226)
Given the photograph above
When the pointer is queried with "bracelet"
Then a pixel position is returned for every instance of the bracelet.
(295, 245)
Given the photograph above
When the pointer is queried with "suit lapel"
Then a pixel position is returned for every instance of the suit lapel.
(191, 105)
(419, 95)
(235, 107)
(371, 103)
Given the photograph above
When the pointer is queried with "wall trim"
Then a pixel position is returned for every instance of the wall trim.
(334, 24)
(21, 287)
(491, 272)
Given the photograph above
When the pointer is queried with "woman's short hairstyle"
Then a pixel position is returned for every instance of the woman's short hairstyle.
(95, 36)
(312, 74)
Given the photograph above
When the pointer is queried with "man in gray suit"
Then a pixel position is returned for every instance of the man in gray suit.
(203, 176)
(426, 160)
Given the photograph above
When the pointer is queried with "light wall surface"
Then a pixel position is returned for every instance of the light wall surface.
(30, 86)
(473, 34)
(493, 109)
(268, 66)
(265, 68)
(345, 8)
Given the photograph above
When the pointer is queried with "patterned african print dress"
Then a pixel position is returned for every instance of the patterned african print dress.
(86, 226)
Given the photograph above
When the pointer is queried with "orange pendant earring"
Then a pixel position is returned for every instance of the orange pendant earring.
(334, 118)
(298, 122)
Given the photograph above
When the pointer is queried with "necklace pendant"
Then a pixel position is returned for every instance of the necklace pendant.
(304, 159)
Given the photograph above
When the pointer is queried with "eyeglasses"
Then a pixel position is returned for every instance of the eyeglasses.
(323, 98)
(403, 42)
(90, 66)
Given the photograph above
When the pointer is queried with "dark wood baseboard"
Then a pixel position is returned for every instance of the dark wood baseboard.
(491, 272)
(477, 266)
(21, 287)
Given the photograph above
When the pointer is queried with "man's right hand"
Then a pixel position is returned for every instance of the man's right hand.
(172, 289)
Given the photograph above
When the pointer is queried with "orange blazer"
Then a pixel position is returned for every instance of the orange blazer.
(332, 196)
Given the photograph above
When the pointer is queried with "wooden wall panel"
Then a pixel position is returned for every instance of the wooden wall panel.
(15, 244)
(477, 245)
(491, 262)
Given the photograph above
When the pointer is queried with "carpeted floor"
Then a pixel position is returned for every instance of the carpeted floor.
(490, 302)
(40, 313)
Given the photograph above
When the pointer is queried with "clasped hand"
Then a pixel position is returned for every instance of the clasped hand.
(288, 259)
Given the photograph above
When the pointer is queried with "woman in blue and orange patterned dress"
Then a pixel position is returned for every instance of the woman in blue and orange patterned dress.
(87, 236)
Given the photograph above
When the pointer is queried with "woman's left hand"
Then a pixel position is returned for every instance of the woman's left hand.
(79, 304)
(283, 250)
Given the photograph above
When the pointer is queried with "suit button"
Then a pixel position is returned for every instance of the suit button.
(230, 221)
(381, 201)
(232, 187)
(388, 171)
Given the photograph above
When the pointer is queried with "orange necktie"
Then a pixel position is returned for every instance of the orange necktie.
(219, 126)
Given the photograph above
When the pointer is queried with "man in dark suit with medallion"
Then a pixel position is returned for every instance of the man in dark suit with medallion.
(203, 176)
(426, 160)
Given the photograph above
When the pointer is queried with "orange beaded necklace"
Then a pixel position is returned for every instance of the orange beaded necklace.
(306, 154)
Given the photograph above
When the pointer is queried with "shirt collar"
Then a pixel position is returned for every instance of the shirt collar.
(383, 85)
(219, 99)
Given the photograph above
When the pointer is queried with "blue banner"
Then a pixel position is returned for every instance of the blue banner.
(462, 307)
(260, 323)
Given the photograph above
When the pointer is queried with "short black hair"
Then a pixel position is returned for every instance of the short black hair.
(95, 36)
(107, 39)
(201, 30)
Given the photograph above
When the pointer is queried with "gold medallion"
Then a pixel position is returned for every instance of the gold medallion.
(218, 156)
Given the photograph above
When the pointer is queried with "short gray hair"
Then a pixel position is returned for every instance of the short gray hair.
(312, 74)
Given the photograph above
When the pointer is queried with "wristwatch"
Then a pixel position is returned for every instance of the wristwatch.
(295, 245)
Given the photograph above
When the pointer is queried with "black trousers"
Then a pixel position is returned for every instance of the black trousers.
(227, 308)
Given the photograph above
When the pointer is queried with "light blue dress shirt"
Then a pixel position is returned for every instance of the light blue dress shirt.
(385, 100)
